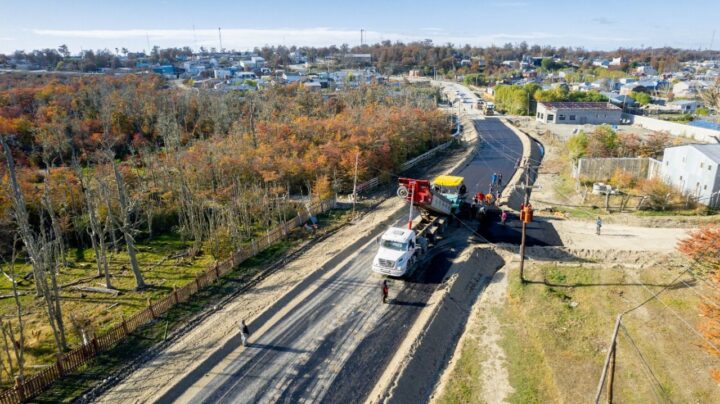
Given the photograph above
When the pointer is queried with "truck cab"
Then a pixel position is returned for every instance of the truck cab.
(398, 252)
(452, 188)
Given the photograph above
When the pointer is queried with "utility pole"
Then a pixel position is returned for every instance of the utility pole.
(525, 218)
(357, 160)
(609, 366)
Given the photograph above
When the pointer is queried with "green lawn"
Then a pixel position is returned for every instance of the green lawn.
(71, 386)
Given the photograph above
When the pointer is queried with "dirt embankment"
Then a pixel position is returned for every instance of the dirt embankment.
(545, 340)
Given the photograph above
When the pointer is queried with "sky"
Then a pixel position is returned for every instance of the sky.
(132, 24)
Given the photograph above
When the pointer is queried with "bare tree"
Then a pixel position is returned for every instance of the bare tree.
(711, 96)
(95, 230)
(41, 252)
(126, 224)
(16, 336)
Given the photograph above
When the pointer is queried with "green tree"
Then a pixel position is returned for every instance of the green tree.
(550, 64)
(641, 98)
(511, 99)
(603, 142)
(577, 145)
(476, 79)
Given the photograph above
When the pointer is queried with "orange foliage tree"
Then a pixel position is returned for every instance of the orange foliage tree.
(703, 248)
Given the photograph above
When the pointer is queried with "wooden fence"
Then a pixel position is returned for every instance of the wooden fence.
(68, 362)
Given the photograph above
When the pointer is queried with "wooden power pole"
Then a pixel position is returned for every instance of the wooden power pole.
(525, 218)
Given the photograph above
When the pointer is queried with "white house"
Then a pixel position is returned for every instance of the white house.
(689, 89)
(646, 70)
(686, 106)
(693, 169)
(222, 74)
(578, 113)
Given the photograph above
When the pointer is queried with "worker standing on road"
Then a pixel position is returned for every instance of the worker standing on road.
(494, 179)
(244, 332)
(598, 225)
(385, 291)
(503, 217)
(499, 180)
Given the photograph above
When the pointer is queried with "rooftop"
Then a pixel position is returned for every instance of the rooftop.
(579, 105)
(712, 151)
(397, 234)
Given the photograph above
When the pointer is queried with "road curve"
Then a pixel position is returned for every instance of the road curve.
(331, 340)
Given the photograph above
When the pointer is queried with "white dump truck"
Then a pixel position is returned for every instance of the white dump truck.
(400, 248)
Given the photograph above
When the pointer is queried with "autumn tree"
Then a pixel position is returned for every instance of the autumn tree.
(40, 249)
(702, 247)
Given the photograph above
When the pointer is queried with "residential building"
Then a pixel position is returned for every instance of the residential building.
(622, 101)
(685, 106)
(646, 70)
(290, 78)
(689, 89)
(578, 113)
(312, 85)
(693, 170)
(222, 74)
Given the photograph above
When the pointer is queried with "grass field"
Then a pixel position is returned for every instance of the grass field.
(557, 332)
(101, 311)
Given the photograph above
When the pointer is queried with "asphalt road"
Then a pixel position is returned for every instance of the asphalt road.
(330, 339)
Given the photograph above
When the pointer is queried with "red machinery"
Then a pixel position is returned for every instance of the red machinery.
(421, 194)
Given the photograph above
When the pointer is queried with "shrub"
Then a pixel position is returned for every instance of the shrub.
(622, 179)
(657, 193)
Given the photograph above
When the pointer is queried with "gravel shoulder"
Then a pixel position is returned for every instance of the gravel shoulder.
(155, 377)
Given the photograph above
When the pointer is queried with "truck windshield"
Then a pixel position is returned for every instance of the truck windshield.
(394, 245)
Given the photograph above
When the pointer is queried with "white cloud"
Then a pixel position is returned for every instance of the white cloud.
(247, 38)
(243, 39)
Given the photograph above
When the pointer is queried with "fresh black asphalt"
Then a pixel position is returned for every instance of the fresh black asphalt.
(499, 152)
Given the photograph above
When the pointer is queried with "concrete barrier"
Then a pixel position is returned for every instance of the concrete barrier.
(674, 128)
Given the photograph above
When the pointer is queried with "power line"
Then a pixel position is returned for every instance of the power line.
(654, 382)
(710, 343)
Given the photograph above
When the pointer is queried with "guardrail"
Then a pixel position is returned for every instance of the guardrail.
(67, 362)
(374, 182)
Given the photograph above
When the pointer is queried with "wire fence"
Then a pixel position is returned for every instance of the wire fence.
(70, 361)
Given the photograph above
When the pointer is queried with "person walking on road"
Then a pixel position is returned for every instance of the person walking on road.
(384, 291)
(499, 180)
(598, 225)
(503, 217)
(244, 332)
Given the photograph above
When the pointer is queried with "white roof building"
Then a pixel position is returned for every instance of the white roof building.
(693, 170)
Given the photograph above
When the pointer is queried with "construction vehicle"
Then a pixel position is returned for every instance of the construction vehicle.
(400, 248)
(489, 108)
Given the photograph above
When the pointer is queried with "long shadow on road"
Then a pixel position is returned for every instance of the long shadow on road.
(358, 377)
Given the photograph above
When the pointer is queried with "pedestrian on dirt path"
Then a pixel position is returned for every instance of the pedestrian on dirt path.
(244, 332)
(503, 217)
(385, 291)
(598, 225)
